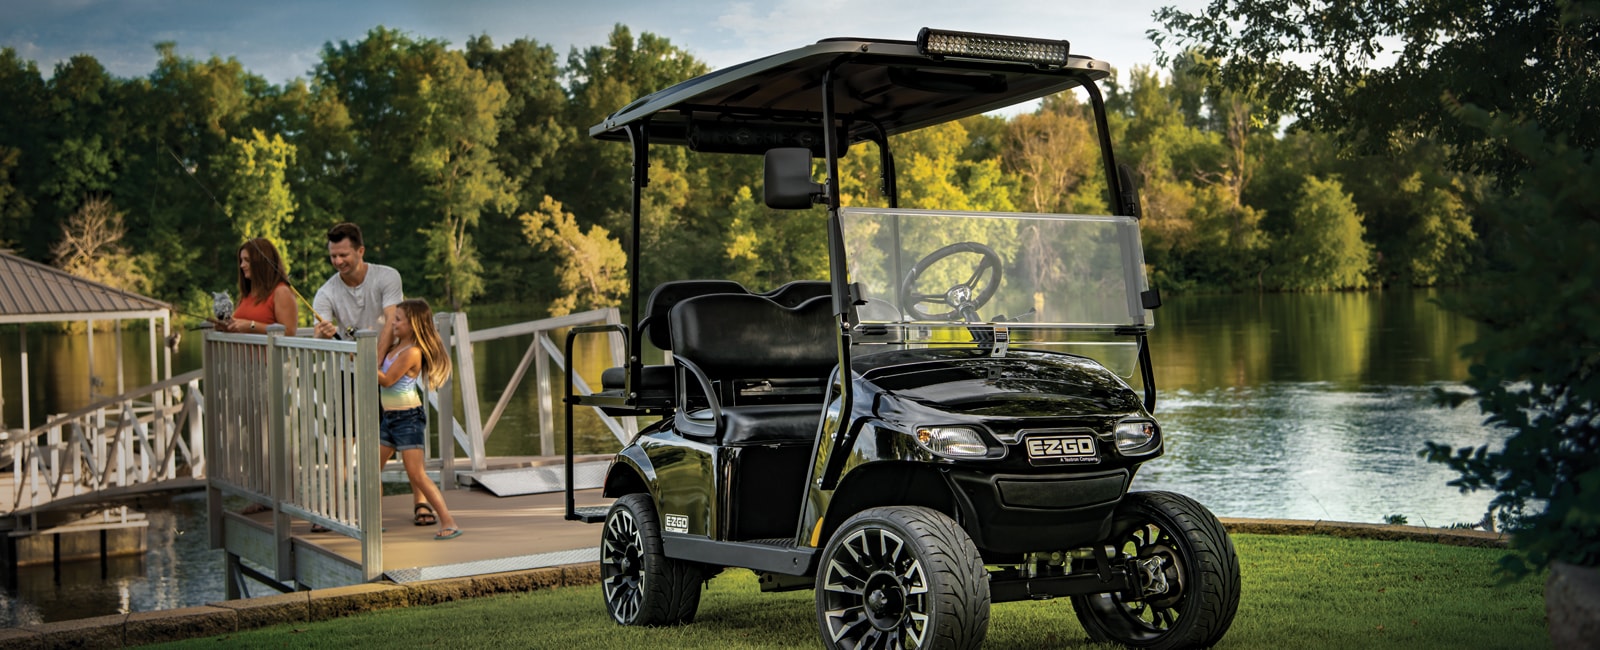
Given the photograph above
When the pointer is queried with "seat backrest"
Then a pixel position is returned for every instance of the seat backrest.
(657, 325)
(734, 336)
(799, 291)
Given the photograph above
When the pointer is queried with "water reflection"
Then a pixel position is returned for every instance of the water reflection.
(1310, 451)
(179, 569)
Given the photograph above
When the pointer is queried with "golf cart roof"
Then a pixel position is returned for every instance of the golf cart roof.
(883, 87)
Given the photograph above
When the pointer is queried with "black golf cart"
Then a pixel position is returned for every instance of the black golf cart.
(945, 422)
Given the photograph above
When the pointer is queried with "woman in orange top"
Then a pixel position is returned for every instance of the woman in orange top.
(264, 294)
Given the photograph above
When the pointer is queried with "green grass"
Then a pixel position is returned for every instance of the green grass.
(1299, 592)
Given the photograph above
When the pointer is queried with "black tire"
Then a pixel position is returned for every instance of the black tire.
(641, 586)
(902, 577)
(1183, 544)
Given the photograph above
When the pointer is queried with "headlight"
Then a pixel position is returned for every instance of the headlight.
(1136, 436)
(952, 441)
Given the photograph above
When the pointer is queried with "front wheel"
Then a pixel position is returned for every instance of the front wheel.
(641, 585)
(902, 577)
(1187, 571)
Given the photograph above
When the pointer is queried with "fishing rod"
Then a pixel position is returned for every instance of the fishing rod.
(281, 273)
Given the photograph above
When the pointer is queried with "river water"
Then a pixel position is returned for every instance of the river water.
(1280, 406)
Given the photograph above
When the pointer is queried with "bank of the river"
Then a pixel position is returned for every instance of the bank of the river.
(234, 620)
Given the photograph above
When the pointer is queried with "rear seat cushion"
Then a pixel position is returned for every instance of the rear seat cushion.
(732, 336)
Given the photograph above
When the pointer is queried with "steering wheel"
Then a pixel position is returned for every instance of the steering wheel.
(964, 298)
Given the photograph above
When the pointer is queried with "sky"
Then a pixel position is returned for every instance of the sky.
(282, 39)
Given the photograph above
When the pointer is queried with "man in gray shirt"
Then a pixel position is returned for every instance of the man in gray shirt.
(360, 296)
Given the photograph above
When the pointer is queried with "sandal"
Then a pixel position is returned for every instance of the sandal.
(454, 533)
(420, 518)
(319, 528)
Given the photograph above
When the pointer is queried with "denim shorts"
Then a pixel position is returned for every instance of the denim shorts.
(402, 429)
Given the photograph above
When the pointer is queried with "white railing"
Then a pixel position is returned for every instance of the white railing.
(121, 444)
(293, 425)
(540, 352)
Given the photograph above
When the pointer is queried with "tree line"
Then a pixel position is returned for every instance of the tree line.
(471, 171)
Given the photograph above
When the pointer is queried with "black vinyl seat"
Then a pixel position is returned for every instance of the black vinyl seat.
(768, 424)
(723, 340)
(656, 381)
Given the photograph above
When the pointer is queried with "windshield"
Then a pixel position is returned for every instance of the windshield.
(929, 276)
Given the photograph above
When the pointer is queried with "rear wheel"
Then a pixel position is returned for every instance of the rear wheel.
(642, 586)
(902, 577)
(1187, 571)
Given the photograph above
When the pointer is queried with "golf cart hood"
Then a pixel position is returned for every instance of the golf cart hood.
(1022, 384)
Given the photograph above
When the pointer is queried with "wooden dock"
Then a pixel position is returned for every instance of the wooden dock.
(499, 534)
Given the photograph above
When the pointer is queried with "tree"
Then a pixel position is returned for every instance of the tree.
(593, 269)
(529, 151)
(83, 140)
(770, 247)
(1538, 352)
(1371, 69)
(320, 176)
(91, 247)
(425, 127)
(21, 131)
(454, 157)
(257, 197)
(1323, 248)
(181, 120)
(1054, 151)
(601, 80)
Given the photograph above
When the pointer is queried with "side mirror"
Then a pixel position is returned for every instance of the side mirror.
(1129, 201)
(788, 179)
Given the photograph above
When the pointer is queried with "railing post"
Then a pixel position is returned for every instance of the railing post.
(195, 403)
(209, 430)
(444, 408)
(541, 373)
(467, 373)
(281, 471)
(370, 486)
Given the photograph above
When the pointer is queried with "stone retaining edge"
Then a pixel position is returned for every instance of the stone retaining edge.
(213, 619)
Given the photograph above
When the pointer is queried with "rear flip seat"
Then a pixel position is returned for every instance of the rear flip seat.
(655, 384)
(733, 337)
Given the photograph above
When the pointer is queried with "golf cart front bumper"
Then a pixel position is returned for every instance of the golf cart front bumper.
(1019, 513)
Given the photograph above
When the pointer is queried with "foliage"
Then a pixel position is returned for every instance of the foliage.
(435, 151)
(592, 273)
(770, 247)
(257, 198)
(1538, 352)
(529, 150)
(1373, 69)
(90, 247)
(1322, 248)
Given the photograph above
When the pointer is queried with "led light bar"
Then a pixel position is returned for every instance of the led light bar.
(990, 47)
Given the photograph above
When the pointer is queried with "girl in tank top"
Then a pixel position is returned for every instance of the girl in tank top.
(416, 354)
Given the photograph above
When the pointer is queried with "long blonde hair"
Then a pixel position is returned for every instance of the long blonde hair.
(435, 359)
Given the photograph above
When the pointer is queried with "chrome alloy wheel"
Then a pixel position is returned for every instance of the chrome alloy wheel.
(621, 551)
(876, 593)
